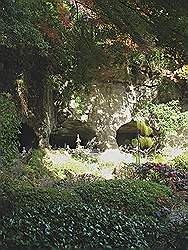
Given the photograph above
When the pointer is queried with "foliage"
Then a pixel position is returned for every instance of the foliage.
(84, 225)
(17, 194)
(155, 68)
(70, 180)
(126, 171)
(144, 140)
(70, 225)
(154, 20)
(181, 162)
(157, 158)
(9, 130)
(131, 196)
(167, 119)
(17, 25)
(37, 170)
(52, 218)
(144, 128)
(177, 239)
(39, 26)
(182, 72)
(164, 174)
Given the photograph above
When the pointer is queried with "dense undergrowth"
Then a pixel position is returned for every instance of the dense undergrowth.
(60, 204)
(105, 213)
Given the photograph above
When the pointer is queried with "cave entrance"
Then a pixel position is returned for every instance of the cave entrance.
(126, 133)
(67, 135)
(27, 138)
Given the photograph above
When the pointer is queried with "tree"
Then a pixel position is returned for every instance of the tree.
(41, 39)
(164, 22)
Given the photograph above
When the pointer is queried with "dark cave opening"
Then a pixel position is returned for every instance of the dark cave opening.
(27, 138)
(126, 133)
(67, 135)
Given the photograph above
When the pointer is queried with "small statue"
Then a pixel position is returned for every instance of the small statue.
(78, 141)
(24, 151)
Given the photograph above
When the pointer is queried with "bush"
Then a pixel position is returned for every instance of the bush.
(16, 194)
(69, 225)
(181, 162)
(167, 120)
(163, 174)
(37, 170)
(131, 196)
(82, 225)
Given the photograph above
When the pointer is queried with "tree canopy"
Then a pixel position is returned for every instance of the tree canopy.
(164, 22)
(51, 24)
(76, 38)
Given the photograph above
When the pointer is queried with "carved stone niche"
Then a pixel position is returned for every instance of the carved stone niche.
(67, 135)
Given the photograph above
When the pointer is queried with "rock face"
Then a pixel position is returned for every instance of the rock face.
(103, 113)
(108, 107)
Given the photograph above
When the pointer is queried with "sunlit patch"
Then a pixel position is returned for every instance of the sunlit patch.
(107, 173)
(130, 158)
(112, 155)
(172, 152)
(56, 157)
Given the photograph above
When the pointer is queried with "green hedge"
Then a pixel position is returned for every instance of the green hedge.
(85, 226)
(131, 196)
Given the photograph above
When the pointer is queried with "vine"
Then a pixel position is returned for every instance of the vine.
(9, 131)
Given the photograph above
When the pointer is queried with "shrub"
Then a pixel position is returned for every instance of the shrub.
(16, 194)
(168, 121)
(84, 226)
(37, 170)
(163, 174)
(181, 162)
(126, 170)
(75, 180)
(69, 225)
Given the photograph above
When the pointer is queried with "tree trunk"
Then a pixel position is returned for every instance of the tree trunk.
(39, 98)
